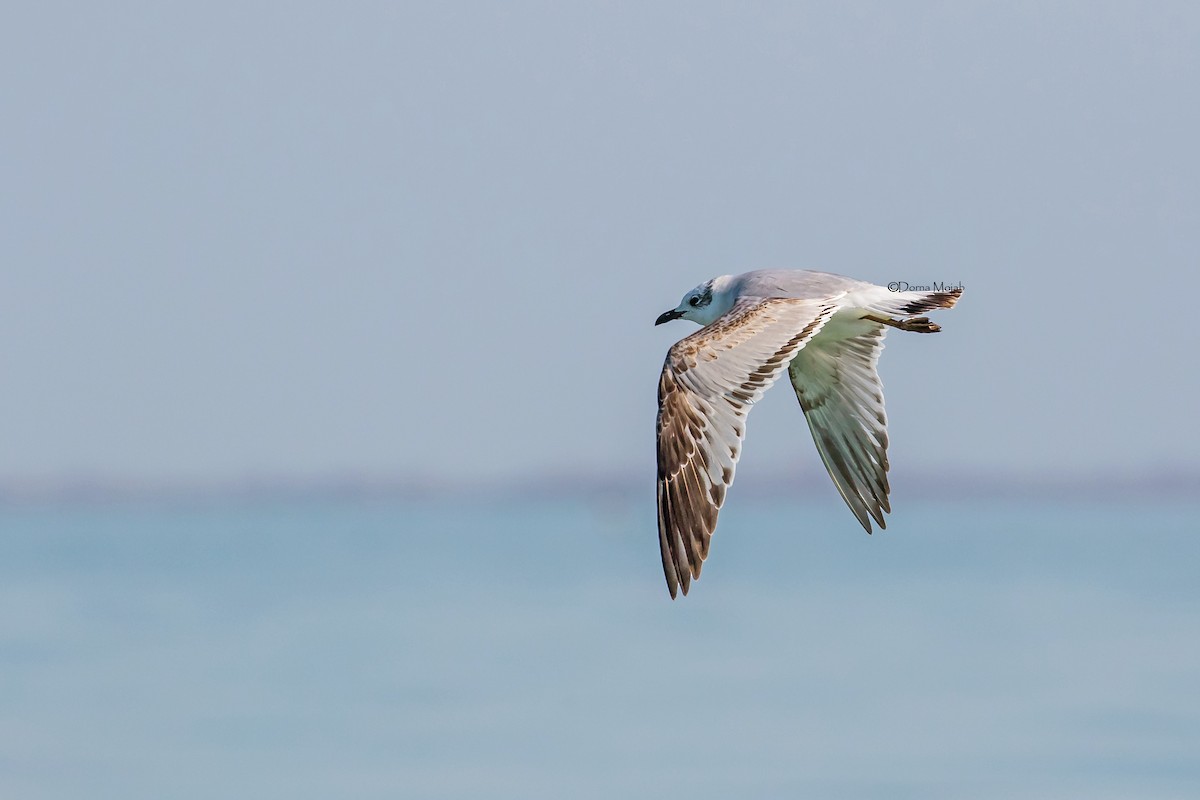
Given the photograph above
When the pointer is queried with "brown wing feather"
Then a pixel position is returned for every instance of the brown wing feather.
(709, 382)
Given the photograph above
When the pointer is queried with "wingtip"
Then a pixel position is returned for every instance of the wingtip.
(877, 517)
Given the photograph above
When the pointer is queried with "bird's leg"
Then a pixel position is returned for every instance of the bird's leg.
(914, 325)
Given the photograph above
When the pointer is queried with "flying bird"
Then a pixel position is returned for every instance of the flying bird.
(827, 331)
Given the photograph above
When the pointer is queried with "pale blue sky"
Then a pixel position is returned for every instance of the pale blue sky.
(430, 239)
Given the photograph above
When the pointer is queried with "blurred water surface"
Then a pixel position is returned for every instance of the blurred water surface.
(528, 649)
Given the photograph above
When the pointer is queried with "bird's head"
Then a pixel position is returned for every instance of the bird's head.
(702, 305)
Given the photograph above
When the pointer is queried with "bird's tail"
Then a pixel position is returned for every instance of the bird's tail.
(906, 304)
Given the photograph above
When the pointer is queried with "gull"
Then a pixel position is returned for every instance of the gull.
(827, 331)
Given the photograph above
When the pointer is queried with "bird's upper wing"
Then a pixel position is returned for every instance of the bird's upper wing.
(709, 382)
(839, 389)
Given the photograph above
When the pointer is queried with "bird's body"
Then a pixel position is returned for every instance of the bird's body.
(827, 331)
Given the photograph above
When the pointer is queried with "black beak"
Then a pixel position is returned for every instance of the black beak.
(674, 313)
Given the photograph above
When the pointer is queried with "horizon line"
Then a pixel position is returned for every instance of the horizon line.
(1163, 482)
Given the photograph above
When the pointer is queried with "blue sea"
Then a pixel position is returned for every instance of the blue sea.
(527, 648)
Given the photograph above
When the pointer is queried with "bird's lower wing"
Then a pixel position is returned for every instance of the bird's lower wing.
(839, 389)
(708, 384)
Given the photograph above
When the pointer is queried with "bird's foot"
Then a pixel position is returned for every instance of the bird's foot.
(913, 325)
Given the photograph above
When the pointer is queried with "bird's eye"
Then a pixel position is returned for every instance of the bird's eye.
(693, 302)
